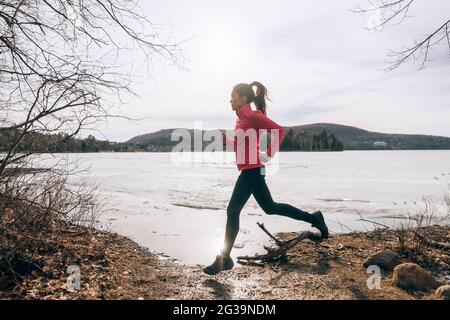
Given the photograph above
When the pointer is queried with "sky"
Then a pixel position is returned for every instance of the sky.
(319, 61)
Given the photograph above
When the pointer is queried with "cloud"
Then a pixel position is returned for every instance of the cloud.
(317, 59)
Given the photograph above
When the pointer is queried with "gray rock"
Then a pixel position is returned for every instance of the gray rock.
(386, 259)
(412, 277)
(443, 292)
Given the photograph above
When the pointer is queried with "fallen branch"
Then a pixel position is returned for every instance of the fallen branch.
(261, 225)
(371, 221)
(278, 253)
(432, 243)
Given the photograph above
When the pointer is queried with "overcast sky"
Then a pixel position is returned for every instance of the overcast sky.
(317, 59)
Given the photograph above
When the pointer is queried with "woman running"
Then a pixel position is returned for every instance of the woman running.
(251, 180)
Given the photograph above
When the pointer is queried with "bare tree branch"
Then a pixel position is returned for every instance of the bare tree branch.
(387, 11)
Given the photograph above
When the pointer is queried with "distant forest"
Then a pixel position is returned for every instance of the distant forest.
(36, 142)
(303, 141)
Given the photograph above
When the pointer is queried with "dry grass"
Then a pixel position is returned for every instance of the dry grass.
(36, 209)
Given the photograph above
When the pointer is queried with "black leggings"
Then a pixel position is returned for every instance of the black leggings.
(252, 181)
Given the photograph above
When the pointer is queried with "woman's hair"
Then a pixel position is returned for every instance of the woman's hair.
(246, 90)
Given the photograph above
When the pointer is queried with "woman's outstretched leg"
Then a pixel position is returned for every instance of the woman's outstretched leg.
(262, 195)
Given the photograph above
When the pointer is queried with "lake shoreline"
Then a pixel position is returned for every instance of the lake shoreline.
(114, 267)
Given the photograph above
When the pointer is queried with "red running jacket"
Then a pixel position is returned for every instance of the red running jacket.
(250, 126)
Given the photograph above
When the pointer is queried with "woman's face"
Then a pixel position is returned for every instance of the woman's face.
(236, 100)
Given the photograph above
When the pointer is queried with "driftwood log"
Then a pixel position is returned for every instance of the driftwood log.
(278, 253)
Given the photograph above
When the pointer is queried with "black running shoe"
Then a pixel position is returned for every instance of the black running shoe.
(221, 263)
(320, 224)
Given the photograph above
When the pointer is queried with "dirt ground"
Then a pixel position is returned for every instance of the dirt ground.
(114, 267)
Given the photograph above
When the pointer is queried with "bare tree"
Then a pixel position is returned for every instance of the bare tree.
(64, 64)
(60, 62)
(395, 11)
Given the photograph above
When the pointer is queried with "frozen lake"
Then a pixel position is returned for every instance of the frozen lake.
(177, 206)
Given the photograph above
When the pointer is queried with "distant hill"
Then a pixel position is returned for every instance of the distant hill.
(352, 138)
(355, 138)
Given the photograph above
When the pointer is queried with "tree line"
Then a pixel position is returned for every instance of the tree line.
(63, 142)
(304, 141)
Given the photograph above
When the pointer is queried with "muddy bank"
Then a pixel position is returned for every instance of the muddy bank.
(114, 267)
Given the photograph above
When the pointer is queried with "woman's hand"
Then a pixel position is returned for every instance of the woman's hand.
(263, 157)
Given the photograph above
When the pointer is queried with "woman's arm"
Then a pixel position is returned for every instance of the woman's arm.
(274, 146)
(260, 121)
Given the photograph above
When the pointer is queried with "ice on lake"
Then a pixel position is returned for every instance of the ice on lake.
(176, 204)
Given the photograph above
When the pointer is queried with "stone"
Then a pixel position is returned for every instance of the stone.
(412, 277)
(443, 292)
(386, 259)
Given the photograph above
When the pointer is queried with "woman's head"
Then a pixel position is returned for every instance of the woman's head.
(243, 93)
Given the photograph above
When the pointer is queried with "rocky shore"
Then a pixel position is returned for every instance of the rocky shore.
(114, 267)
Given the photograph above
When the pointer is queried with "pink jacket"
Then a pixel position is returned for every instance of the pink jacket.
(250, 125)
